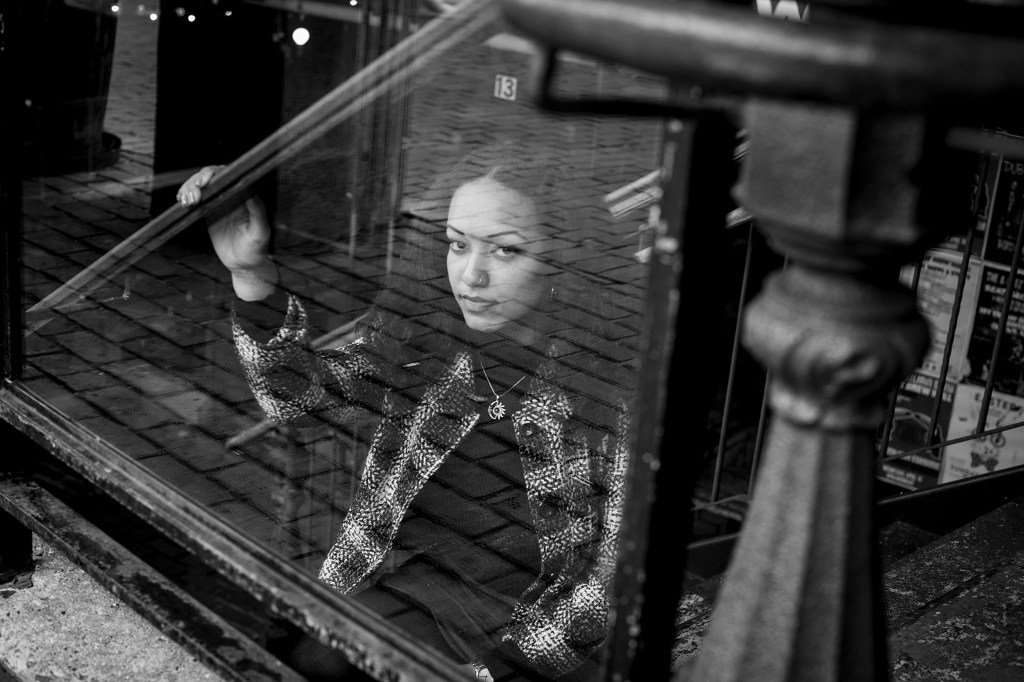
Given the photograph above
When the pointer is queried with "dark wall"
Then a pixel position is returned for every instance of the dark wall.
(218, 86)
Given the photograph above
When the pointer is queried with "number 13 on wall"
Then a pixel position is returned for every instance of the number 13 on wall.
(505, 87)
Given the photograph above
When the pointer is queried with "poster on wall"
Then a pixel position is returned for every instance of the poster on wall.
(1007, 215)
(975, 357)
(912, 421)
(1007, 368)
(988, 453)
(912, 427)
(936, 293)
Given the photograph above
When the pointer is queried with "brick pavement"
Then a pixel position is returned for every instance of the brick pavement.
(147, 362)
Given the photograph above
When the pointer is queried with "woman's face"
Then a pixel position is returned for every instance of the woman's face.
(494, 258)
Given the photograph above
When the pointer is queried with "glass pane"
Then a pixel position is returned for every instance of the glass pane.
(407, 364)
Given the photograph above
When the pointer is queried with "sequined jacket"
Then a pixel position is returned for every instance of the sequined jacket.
(574, 487)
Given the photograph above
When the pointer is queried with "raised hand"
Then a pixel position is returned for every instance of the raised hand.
(191, 191)
(241, 239)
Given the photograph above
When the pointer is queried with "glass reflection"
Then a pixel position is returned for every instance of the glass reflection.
(490, 495)
(445, 347)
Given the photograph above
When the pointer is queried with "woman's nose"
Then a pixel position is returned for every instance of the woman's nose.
(475, 273)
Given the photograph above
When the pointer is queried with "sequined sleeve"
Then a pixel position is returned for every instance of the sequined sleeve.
(292, 382)
(563, 618)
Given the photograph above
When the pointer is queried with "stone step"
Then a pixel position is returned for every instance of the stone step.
(955, 608)
(937, 588)
(954, 563)
(901, 538)
(976, 635)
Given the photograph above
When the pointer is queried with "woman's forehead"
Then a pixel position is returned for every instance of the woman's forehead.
(486, 209)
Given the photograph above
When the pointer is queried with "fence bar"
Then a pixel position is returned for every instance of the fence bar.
(731, 381)
(1001, 330)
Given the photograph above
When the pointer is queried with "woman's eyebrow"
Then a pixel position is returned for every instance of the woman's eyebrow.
(506, 233)
(491, 237)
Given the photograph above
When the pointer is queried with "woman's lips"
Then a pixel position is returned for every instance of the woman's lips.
(474, 304)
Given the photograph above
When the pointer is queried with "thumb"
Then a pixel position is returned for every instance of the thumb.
(257, 214)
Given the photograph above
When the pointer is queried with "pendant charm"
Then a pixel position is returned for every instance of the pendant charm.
(496, 410)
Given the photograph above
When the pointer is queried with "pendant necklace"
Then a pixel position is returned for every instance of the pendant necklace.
(496, 410)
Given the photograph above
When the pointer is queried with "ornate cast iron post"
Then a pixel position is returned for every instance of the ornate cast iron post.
(832, 189)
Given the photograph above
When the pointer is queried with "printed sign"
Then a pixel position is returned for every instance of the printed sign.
(936, 292)
(784, 9)
(1007, 212)
(1007, 367)
(988, 453)
(505, 87)
(912, 429)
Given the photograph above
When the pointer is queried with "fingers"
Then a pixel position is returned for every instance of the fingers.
(190, 192)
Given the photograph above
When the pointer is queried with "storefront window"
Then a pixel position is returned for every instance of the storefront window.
(406, 363)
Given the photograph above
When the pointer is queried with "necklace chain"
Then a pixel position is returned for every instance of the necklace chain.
(496, 409)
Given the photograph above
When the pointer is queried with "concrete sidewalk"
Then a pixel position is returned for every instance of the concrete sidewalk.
(65, 626)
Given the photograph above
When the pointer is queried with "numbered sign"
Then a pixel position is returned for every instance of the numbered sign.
(790, 10)
(505, 87)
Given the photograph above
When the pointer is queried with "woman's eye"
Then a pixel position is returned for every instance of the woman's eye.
(509, 251)
(456, 245)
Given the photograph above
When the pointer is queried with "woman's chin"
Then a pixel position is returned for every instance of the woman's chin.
(508, 328)
(482, 324)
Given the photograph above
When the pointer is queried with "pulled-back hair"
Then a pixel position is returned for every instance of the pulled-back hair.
(538, 172)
